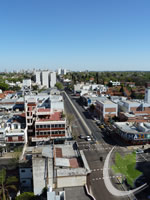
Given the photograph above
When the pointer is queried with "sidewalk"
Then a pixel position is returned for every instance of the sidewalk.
(134, 147)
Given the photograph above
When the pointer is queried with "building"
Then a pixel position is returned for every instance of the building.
(38, 77)
(147, 93)
(13, 130)
(114, 83)
(25, 175)
(44, 117)
(133, 133)
(58, 167)
(134, 117)
(106, 108)
(45, 78)
(61, 71)
(52, 79)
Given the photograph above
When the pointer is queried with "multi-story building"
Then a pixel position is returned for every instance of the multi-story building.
(13, 130)
(45, 78)
(133, 133)
(52, 78)
(38, 77)
(44, 117)
(106, 109)
(147, 93)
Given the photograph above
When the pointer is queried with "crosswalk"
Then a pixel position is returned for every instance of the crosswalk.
(110, 177)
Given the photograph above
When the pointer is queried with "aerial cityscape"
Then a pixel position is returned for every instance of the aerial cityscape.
(74, 100)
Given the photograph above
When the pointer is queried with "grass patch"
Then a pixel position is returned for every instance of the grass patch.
(126, 166)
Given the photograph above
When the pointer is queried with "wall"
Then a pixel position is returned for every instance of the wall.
(38, 174)
(71, 181)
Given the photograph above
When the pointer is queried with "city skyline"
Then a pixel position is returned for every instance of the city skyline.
(76, 35)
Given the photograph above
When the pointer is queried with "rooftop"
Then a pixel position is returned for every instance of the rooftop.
(71, 172)
(135, 128)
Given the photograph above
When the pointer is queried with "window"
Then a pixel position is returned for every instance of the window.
(59, 125)
(63, 125)
(52, 125)
(23, 170)
(48, 126)
(44, 126)
(37, 126)
(56, 125)
(41, 126)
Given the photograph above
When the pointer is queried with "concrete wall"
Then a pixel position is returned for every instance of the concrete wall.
(71, 181)
(38, 165)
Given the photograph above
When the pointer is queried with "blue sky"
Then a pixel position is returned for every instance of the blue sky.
(75, 34)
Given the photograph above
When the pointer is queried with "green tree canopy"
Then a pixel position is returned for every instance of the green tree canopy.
(26, 196)
(59, 86)
(6, 183)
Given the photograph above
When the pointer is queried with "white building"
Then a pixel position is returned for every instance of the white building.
(38, 77)
(52, 78)
(45, 78)
(115, 83)
(147, 94)
(61, 71)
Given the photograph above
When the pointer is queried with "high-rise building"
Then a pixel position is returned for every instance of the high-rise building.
(147, 93)
(38, 77)
(52, 78)
(45, 78)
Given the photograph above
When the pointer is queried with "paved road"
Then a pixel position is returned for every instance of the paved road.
(93, 152)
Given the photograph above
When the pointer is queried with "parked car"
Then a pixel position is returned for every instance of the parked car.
(101, 126)
(82, 136)
(88, 138)
(138, 151)
(98, 122)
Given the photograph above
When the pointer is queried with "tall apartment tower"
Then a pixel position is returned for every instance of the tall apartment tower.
(38, 77)
(52, 78)
(45, 78)
(147, 93)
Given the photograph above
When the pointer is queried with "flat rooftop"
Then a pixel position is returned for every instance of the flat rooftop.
(71, 172)
(133, 128)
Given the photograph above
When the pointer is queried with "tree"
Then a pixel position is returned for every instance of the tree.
(59, 86)
(70, 119)
(35, 87)
(6, 183)
(4, 86)
(26, 196)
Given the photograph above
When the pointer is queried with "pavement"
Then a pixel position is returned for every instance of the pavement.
(76, 193)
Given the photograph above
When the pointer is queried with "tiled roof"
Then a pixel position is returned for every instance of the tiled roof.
(73, 163)
(58, 152)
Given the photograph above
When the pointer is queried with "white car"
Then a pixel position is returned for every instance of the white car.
(139, 151)
(88, 138)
